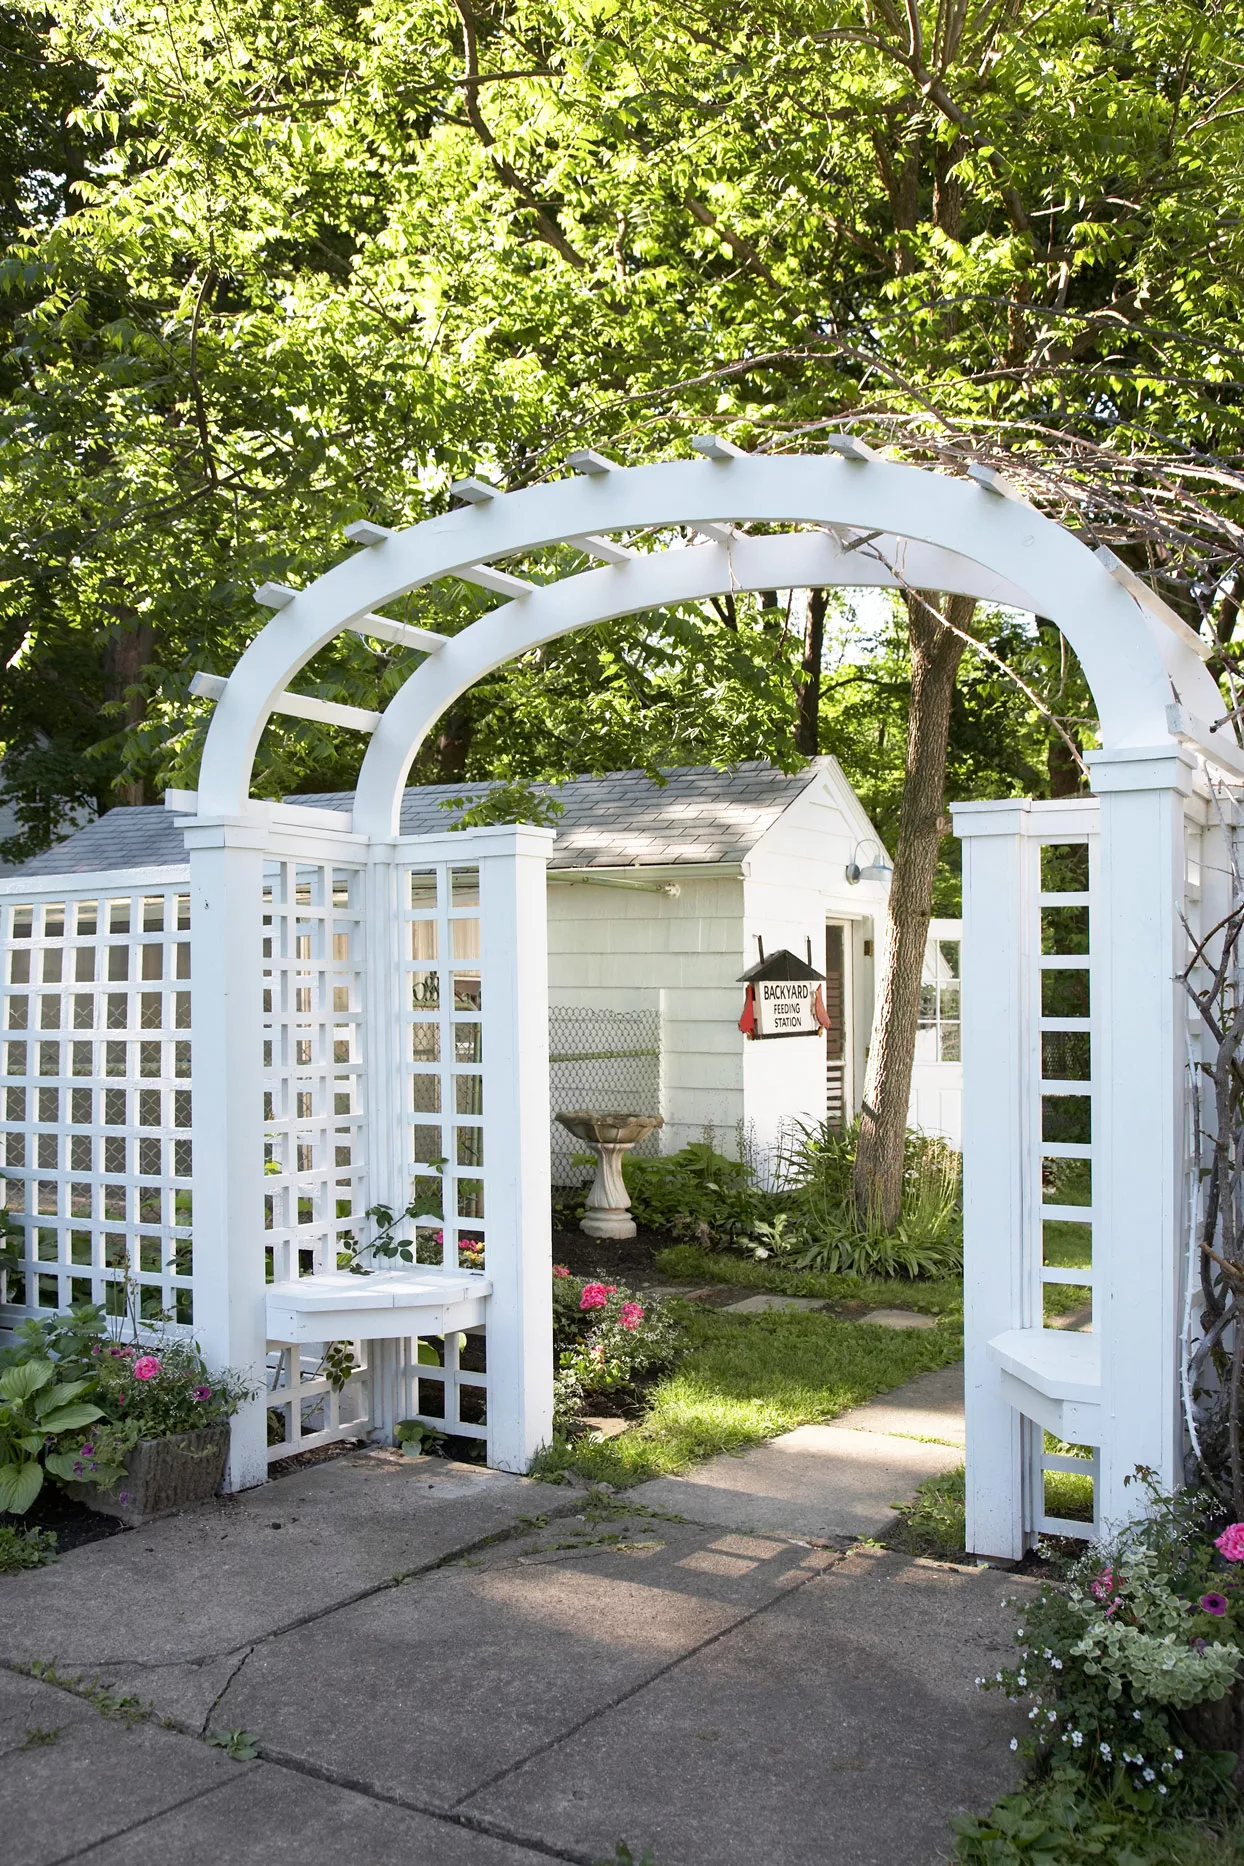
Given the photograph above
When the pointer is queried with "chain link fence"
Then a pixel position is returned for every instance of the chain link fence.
(604, 1061)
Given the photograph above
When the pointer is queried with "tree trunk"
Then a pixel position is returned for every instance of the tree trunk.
(935, 657)
(127, 654)
(808, 686)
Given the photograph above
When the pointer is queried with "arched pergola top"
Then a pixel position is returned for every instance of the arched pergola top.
(868, 521)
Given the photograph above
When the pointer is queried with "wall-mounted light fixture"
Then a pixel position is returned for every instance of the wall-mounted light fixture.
(876, 870)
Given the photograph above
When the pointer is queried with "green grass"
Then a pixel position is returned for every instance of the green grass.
(687, 1263)
(1060, 1823)
(745, 1378)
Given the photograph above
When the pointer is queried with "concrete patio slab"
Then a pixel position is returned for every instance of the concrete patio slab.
(840, 1727)
(206, 1583)
(272, 1817)
(480, 1664)
(823, 1481)
(26, 1705)
(98, 1779)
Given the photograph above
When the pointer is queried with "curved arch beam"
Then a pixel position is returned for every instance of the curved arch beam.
(1128, 658)
(791, 560)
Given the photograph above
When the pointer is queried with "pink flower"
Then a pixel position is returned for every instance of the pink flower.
(598, 1350)
(632, 1314)
(594, 1296)
(1103, 1587)
(559, 1269)
(146, 1367)
(1231, 1542)
(1213, 1603)
(202, 1393)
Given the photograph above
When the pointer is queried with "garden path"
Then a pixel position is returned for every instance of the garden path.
(442, 1666)
(828, 1481)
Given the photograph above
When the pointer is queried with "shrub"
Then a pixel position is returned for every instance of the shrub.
(604, 1338)
(816, 1170)
(702, 1196)
(1122, 1662)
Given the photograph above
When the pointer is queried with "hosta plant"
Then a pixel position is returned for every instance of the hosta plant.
(39, 1414)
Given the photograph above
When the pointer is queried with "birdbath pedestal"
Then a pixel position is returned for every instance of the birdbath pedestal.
(608, 1213)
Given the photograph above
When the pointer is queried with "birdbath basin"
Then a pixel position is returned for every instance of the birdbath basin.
(608, 1213)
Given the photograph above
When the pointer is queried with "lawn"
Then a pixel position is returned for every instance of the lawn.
(745, 1378)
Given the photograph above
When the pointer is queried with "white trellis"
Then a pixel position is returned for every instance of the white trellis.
(404, 1010)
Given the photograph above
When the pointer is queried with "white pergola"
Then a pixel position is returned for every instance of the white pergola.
(677, 532)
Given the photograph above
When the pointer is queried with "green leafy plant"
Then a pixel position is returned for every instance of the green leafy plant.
(25, 1548)
(416, 1436)
(239, 1744)
(1124, 1660)
(815, 1171)
(38, 1412)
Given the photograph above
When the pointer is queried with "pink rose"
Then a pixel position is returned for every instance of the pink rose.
(146, 1367)
(594, 1296)
(1231, 1542)
(632, 1314)
(559, 1269)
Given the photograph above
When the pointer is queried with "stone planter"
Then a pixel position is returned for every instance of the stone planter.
(162, 1475)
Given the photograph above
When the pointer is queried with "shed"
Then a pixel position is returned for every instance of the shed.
(661, 892)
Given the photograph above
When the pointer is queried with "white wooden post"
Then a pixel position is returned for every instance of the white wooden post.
(226, 934)
(519, 1261)
(996, 1041)
(1139, 1024)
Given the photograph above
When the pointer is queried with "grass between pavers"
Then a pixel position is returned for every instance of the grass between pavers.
(746, 1378)
(686, 1263)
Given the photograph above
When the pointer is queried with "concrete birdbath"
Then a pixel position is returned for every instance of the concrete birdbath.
(608, 1213)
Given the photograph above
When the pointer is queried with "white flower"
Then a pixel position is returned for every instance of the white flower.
(1052, 1715)
(1022, 1679)
(1179, 1755)
(1047, 1654)
(998, 1677)
(1136, 1715)
(1077, 1738)
(1105, 1750)
(1057, 1664)
(1014, 1742)
(1161, 1788)
(979, 1683)
(1149, 1776)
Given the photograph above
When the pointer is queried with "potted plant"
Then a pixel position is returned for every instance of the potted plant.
(131, 1429)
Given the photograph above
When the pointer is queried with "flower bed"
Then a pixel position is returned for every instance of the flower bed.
(605, 1341)
(76, 1405)
(1133, 1666)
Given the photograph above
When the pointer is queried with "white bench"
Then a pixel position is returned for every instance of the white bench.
(1053, 1376)
(384, 1306)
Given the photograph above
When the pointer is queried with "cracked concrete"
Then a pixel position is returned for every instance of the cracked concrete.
(443, 1667)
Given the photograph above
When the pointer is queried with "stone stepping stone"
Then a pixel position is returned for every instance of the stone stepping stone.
(898, 1318)
(607, 1428)
(769, 1303)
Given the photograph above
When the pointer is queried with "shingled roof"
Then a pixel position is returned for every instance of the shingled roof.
(699, 814)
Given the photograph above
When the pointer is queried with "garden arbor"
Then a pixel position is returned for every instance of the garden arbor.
(371, 1007)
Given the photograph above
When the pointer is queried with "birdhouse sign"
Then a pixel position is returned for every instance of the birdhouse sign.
(783, 997)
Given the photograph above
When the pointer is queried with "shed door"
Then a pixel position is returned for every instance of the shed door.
(837, 1049)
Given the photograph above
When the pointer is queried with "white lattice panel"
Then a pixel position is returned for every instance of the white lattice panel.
(1065, 888)
(97, 1095)
(443, 1033)
(314, 1161)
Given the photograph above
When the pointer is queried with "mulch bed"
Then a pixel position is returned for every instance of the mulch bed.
(71, 1523)
(628, 1260)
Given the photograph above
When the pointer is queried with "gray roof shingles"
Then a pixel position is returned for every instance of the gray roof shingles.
(699, 815)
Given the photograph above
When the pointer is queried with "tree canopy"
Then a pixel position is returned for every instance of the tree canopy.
(271, 267)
